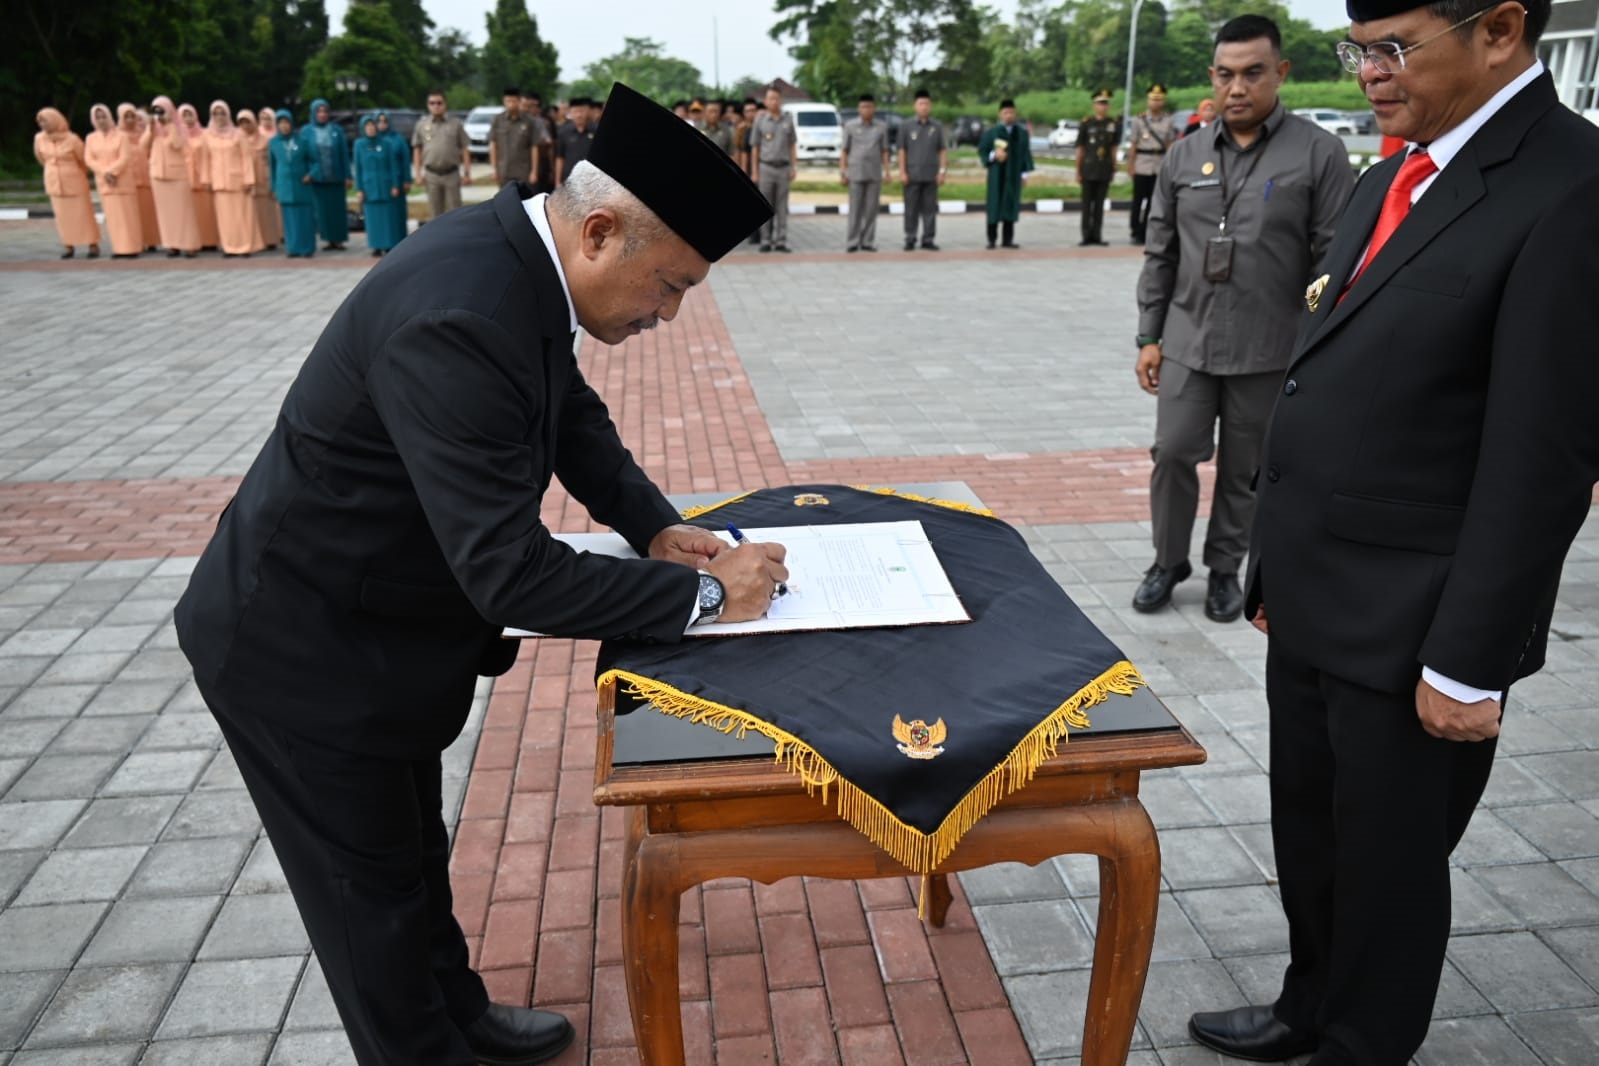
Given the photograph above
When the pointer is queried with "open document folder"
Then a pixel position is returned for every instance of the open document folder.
(856, 576)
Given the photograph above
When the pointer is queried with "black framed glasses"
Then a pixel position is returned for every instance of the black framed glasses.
(1388, 58)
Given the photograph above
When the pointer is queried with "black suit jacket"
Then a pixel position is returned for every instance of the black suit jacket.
(1435, 446)
(358, 581)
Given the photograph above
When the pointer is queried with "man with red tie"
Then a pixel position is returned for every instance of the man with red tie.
(1432, 455)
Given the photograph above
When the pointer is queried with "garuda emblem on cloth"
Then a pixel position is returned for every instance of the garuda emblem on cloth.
(918, 740)
(810, 499)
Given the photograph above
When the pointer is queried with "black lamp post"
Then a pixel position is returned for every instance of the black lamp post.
(350, 84)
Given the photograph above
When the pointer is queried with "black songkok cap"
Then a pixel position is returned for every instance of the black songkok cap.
(1007, 102)
(1371, 10)
(703, 197)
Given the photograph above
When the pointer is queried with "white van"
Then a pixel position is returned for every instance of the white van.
(818, 132)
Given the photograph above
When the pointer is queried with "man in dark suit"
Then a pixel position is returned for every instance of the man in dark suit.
(1432, 455)
(358, 583)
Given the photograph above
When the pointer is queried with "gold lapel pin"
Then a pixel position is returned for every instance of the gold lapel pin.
(1313, 293)
(1208, 169)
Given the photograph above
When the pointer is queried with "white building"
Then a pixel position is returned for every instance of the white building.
(1570, 49)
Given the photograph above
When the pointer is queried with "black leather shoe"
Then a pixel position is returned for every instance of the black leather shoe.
(1154, 592)
(929, 246)
(1251, 1033)
(518, 1036)
(1224, 600)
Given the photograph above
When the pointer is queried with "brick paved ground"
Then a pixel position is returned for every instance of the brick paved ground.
(142, 920)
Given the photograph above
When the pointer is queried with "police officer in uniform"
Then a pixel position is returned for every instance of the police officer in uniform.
(1097, 137)
(1154, 131)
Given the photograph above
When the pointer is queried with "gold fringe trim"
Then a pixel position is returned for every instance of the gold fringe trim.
(696, 511)
(953, 505)
(917, 851)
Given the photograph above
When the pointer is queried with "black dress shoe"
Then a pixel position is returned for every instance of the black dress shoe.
(1224, 600)
(518, 1036)
(1251, 1033)
(1010, 244)
(929, 246)
(766, 247)
(1154, 592)
(910, 246)
(991, 246)
(783, 248)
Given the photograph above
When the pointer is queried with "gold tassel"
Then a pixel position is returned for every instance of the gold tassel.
(695, 512)
(917, 851)
(953, 505)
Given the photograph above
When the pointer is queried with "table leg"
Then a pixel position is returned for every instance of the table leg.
(651, 901)
(1129, 894)
(939, 897)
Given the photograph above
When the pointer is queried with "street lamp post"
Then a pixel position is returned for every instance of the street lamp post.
(1132, 52)
(350, 84)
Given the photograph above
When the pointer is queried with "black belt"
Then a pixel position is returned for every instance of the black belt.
(774, 162)
(445, 172)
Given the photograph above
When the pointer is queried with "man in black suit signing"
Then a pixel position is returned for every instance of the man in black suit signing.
(358, 583)
(1431, 457)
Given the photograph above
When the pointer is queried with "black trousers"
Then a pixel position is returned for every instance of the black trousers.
(1365, 810)
(921, 207)
(1009, 231)
(1143, 192)
(363, 845)
(1094, 193)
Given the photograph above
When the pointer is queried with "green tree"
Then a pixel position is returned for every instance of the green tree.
(374, 47)
(847, 46)
(642, 65)
(515, 54)
(294, 33)
(452, 59)
(1096, 52)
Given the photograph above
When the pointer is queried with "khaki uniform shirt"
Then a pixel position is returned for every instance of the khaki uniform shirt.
(1152, 137)
(514, 140)
(443, 142)
(920, 143)
(773, 138)
(1283, 195)
(865, 142)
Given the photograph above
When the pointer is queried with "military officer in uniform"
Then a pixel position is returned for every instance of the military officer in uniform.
(1097, 137)
(1153, 132)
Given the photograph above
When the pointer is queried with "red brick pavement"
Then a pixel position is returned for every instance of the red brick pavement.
(805, 971)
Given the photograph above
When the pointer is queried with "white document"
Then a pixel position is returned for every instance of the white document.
(855, 576)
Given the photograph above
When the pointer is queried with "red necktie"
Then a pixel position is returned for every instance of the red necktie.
(1396, 205)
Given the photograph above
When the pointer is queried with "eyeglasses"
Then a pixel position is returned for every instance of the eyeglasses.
(1386, 57)
(435, 103)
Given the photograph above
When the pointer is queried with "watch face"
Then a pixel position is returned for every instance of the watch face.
(711, 595)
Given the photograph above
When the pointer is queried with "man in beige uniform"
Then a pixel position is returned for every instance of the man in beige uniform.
(1152, 133)
(860, 168)
(441, 157)
(776, 161)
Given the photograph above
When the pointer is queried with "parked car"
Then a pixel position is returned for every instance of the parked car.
(819, 134)
(477, 124)
(894, 120)
(1064, 135)
(968, 129)
(1365, 122)
(1331, 121)
(401, 120)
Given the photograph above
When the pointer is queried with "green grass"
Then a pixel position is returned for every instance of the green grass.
(976, 191)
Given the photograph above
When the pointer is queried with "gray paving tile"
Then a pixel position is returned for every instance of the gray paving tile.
(1578, 947)
(224, 812)
(1245, 920)
(1259, 978)
(46, 937)
(38, 641)
(54, 777)
(1175, 935)
(1474, 909)
(1560, 1037)
(177, 730)
(90, 668)
(123, 1054)
(239, 1049)
(1203, 857)
(153, 664)
(262, 872)
(1172, 802)
(106, 1004)
(1080, 872)
(27, 737)
(1559, 830)
(104, 638)
(78, 875)
(15, 869)
(1049, 1009)
(1541, 894)
(1034, 937)
(153, 772)
(1257, 844)
(125, 820)
(329, 1047)
(151, 930)
(254, 927)
(1009, 881)
(22, 998)
(1457, 997)
(313, 1004)
(237, 996)
(1490, 842)
(100, 735)
(1513, 783)
(221, 771)
(1480, 1041)
(50, 701)
(190, 867)
(134, 696)
(1517, 972)
(1175, 990)
(1568, 773)
(1584, 872)
(1237, 799)
(36, 825)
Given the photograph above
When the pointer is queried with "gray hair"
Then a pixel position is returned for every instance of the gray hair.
(588, 188)
(1453, 11)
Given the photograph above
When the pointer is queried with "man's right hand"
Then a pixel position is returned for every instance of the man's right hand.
(1259, 621)
(1148, 368)
(749, 575)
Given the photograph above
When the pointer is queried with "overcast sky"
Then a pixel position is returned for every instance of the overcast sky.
(586, 30)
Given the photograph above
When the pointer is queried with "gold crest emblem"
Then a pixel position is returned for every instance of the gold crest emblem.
(810, 499)
(918, 740)
(1313, 293)
(1208, 169)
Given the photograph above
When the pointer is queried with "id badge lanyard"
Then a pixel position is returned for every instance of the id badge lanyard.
(1229, 195)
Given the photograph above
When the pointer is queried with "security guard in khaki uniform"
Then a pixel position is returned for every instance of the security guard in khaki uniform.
(1097, 137)
(1153, 132)
(441, 157)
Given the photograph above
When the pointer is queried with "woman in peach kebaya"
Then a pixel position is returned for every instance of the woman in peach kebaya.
(230, 172)
(66, 180)
(205, 212)
(109, 155)
(133, 122)
(266, 208)
(167, 144)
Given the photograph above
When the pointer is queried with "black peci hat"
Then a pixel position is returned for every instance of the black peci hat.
(1371, 10)
(703, 197)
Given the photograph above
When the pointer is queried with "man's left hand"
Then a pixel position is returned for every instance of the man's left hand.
(685, 544)
(1450, 719)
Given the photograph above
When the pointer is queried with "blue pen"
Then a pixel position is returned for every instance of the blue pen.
(1268, 188)
(739, 538)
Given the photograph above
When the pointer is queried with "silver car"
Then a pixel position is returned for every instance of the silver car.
(477, 124)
